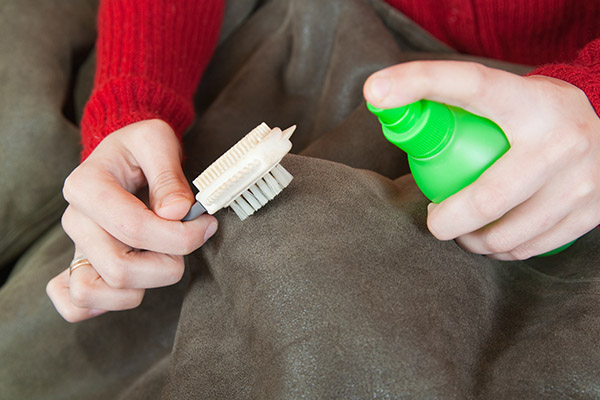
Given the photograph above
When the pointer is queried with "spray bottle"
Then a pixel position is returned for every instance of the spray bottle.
(448, 148)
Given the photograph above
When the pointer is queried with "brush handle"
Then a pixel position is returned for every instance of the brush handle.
(196, 211)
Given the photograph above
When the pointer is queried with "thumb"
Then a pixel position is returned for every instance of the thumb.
(159, 158)
(170, 194)
(476, 88)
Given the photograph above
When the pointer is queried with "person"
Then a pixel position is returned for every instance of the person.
(142, 103)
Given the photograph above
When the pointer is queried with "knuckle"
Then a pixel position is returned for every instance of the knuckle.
(52, 287)
(477, 74)
(80, 293)
(574, 145)
(157, 126)
(571, 138)
(131, 231)
(497, 242)
(424, 71)
(522, 252)
(586, 188)
(423, 75)
(116, 276)
(71, 183)
(137, 299)
(153, 132)
(489, 203)
(66, 221)
(70, 314)
(434, 228)
(132, 299)
(166, 180)
(187, 244)
(176, 270)
(67, 189)
(582, 145)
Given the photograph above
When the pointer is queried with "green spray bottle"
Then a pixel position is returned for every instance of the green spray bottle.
(448, 148)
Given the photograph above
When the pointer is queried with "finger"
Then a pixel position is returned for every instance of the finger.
(472, 86)
(522, 224)
(58, 291)
(88, 290)
(170, 193)
(491, 196)
(562, 233)
(118, 264)
(127, 218)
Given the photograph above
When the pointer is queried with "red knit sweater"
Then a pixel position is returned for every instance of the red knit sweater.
(151, 53)
(150, 56)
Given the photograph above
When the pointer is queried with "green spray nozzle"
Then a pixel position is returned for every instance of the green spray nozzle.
(419, 128)
(388, 116)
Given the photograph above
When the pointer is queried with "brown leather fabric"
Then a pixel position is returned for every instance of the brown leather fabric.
(335, 289)
(40, 42)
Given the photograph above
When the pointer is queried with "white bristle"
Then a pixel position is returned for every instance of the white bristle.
(245, 206)
(238, 210)
(242, 208)
(272, 182)
(265, 189)
(283, 177)
(249, 197)
(258, 194)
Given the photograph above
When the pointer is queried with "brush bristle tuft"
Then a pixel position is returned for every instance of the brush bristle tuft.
(259, 194)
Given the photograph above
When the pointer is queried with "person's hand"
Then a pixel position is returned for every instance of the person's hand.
(130, 246)
(544, 192)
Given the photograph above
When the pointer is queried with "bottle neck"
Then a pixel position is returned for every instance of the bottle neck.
(421, 128)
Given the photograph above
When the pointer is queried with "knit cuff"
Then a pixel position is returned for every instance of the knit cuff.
(125, 100)
(581, 76)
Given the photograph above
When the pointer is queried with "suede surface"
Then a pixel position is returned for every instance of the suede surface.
(335, 289)
(41, 42)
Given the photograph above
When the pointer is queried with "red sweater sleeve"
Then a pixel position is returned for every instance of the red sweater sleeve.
(150, 56)
(584, 72)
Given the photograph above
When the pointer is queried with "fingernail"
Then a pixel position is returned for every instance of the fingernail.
(210, 231)
(431, 207)
(380, 87)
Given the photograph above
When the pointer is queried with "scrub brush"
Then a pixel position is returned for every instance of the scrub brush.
(247, 176)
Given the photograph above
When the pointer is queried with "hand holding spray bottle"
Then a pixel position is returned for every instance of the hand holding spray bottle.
(448, 148)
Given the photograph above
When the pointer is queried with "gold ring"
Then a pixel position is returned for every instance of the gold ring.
(78, 262)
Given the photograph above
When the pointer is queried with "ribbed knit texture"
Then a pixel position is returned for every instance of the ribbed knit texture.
(532, 32)
(529, 32)
(150, 56)
(151, 53)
